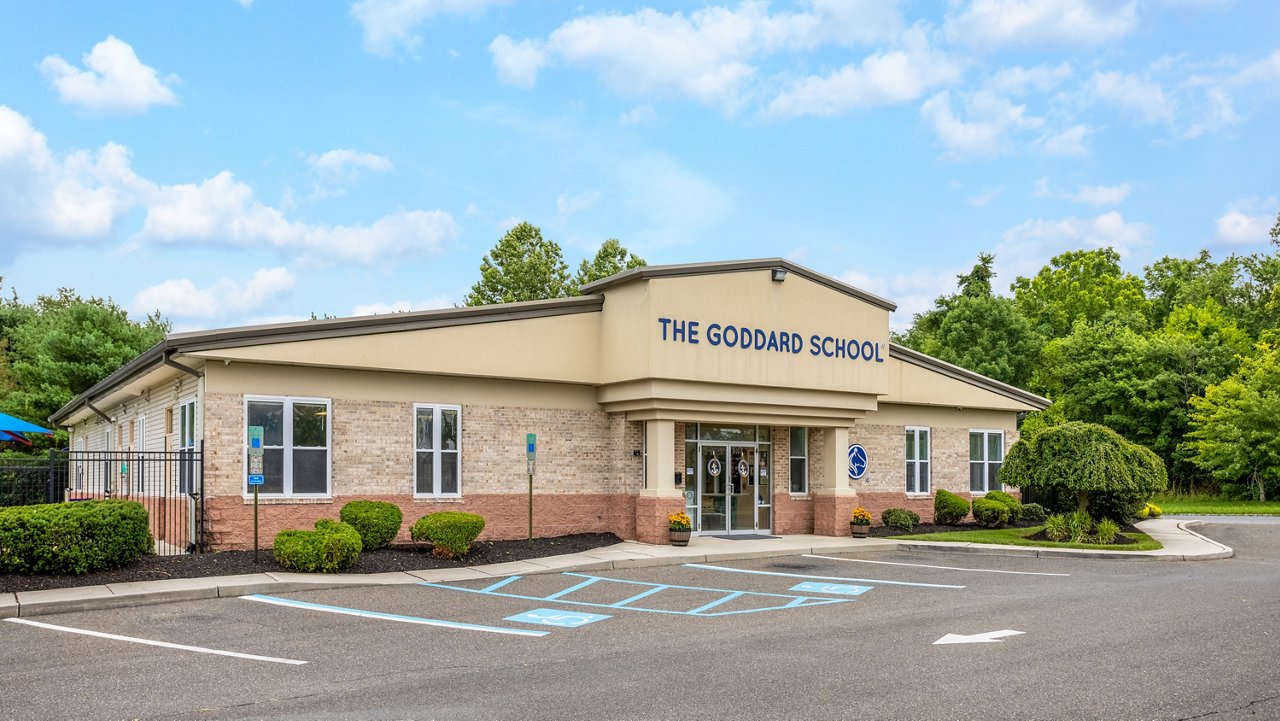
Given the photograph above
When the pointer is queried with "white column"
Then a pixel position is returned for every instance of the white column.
(835, 463)
(660, 437)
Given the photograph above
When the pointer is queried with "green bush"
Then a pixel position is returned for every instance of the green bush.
(377, 522)
(1032, 514)
(72, 538)
(332, 546)
(990, 513)
(1055, 528)
(1079, 526)
(1106, 531)
(949, 508)
(1154, 511)
(1013, 504)
(449, 532)
(900, 518)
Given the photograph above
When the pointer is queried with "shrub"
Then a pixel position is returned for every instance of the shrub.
(1153, 510)
(900, 518)
(1055, 528)
(1032, 514)
(449, 532)
(72, 538)
(990, 513)
(377, 522)
(332, 546)
(1013, 504)
(1106, 531)
(1079, 525)
(949, 508)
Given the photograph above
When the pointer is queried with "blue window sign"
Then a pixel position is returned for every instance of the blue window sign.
(256, 480)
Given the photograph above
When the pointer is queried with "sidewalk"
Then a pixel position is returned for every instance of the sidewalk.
(1179, 541)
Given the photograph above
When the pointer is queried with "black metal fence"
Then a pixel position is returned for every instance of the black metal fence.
(170, 484)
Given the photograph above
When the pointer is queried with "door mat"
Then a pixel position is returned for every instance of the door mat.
(744, 537)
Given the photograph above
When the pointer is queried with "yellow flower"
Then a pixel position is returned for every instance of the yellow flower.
(861, 516)
(679, 521)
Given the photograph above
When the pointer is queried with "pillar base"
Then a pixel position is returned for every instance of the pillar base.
(651, 517)
(832, 512)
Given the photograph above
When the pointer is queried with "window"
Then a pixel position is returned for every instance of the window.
(295, 440)
(917, 460)
(187, 424)
(799, 460)
(986, 453)
(437, 467)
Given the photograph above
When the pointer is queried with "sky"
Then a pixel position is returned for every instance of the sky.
(232, 162)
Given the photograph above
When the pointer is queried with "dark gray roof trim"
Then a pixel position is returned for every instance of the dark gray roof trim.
(735, 266)
(977, 380)
(329, 328)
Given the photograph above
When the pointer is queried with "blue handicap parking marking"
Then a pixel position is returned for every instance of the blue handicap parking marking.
(842, 589)
(555, 617)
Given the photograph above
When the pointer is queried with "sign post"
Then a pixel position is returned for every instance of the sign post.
(255, 478)
(531, 450)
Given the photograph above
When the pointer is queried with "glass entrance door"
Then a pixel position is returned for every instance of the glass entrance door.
(729, 489)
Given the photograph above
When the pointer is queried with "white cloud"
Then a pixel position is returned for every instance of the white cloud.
(990, 119)
(1247, 221)
(402, 306)
(1144, 98)
(181, 297)
(1266, 70)
(886, 77)
(1069, 143)
(639, 115)
(1026, 247)
(913, 292)
(981, 200)
(708, 55)
(672, 204)
(567, 204)
(391, 24)
(517, 61)
(1018, 80)
(1090, 194)
(1032, 23)
(344, 163)
(113, 81)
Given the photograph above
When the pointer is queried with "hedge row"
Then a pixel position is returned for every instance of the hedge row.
(72, 538)
(369, 525)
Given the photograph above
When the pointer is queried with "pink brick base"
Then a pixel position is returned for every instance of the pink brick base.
(651, 518)
(831, 514)
(792, 515)
(229, 520)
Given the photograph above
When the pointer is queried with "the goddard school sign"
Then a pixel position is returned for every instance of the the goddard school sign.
(780, 341)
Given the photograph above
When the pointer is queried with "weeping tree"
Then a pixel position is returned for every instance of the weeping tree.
(1091, 464)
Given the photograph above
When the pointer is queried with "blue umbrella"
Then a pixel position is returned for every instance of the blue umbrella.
(12, 429)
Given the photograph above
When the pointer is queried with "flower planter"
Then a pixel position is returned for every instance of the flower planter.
(858, 530)
(679, 538)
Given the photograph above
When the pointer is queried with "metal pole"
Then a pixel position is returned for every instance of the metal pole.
(531, 506)
(255, 523)
(50, 495)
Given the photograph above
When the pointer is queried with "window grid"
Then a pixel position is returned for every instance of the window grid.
(799, 460)
(284, 471)
(917, 456)
(986, 454)
(437, 466)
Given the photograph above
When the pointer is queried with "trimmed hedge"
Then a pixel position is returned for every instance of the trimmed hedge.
(72, 538)
(377, 522)
(990, 512)
(332, 546)
(949, 508)
(449, 532)
(1032, 514)
(900, 518)
(1013, 504)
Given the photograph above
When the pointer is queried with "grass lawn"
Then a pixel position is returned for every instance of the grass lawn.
(1200, 503)
(1018, 537)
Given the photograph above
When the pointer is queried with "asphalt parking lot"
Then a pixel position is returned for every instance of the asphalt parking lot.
(802, 637)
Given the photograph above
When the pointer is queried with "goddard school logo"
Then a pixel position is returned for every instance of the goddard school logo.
(728, 335)
(857, 461)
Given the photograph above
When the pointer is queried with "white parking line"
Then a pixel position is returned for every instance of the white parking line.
(925, 565)
(821, 578)
(343, 610)
(149, 642)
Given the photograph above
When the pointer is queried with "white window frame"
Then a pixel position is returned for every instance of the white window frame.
(926, 462)
(436, 451)
(985, 461)
(187, 429)
(286, 434)
(792, 455)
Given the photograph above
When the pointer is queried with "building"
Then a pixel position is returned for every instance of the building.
(758, 395)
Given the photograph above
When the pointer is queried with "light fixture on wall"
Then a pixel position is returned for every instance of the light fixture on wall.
(779, 275)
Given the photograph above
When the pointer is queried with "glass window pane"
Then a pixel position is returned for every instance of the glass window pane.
(449, 472)
(310, 468)
(911, 445)
(425, 481)
(727, 433)
(272, 471)
(448, 429)
(993, 473)
(799, 476)
(911, 476)
(690, 464)
(799, 445)
(975, 478)
(309, 424)
(423, 434)
(924, 477)
(975, 446)
(691, 431)
(923, 443)
(995, 447)
(269, 415)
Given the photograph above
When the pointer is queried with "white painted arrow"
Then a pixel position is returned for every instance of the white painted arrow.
(988, 637)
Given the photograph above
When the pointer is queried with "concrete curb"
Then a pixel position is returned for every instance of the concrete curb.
(1181, 544)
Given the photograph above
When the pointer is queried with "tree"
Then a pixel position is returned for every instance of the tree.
(1089, 462)
(522, 266)
(68, 344)
(1175, 282)
(1235, 432)
(1081, 285)
(611, 259)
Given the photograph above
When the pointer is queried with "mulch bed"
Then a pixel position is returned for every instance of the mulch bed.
(409, 557)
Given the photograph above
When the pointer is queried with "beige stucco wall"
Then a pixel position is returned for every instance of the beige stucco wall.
(910, 383)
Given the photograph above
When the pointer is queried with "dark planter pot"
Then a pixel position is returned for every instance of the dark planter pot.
(679, 538)
(858, 530)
